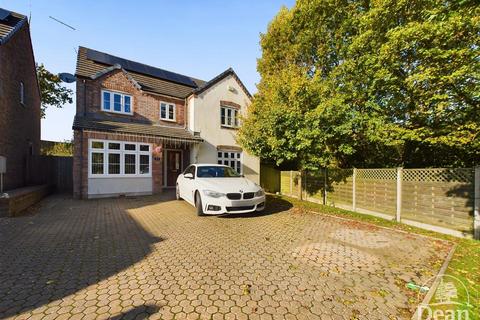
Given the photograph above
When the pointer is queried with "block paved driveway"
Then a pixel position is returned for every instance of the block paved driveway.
(151, 257)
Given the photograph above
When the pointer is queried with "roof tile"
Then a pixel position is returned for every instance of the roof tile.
(8, 26)
(110, 125)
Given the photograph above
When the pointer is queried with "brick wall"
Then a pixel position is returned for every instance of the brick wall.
(80, 158)
(19, 124)
(146, 106)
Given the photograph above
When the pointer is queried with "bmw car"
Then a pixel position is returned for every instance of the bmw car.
(217, 189)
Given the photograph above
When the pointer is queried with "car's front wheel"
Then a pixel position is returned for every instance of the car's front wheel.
(198, 204)
(177, 193)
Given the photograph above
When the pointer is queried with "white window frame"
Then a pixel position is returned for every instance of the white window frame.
(122, 101)
(22, 93)
(122, 151)
(167, 111)
(235, 119)
(238, 160)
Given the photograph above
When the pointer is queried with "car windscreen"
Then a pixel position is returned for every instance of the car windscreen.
(216, 172)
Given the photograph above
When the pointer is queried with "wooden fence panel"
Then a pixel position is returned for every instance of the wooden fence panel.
(290, 183)
(269, 178)
(314, 185)
(441, 198)
(340, 187)
(51, 170)
(285, 182)
(64, 173)
(376, 190)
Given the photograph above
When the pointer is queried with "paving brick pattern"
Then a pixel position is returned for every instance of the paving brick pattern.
(151, 257)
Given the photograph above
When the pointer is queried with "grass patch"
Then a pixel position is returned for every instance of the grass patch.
(465, 263)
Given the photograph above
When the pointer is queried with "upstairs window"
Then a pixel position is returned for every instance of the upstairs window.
(22, 93)
(167, 111)
(116, 102)
(229, 117)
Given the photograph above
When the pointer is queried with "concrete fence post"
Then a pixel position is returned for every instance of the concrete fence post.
(354, 190)
(476, 210)
(399, 193)
(305, 185)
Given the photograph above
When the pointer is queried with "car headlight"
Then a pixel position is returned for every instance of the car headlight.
(213, 194)
(259, 193)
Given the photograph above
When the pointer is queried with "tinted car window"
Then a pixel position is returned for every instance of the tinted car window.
(216, 172)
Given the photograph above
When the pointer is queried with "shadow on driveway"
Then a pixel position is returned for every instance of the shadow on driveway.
(68, 245)
(138, 313)
(274, 205)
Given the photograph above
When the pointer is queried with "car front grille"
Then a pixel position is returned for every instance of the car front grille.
(248, 195)
(242, 208)
(234, 196)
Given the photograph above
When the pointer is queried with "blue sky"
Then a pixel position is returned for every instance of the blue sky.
(196, 38)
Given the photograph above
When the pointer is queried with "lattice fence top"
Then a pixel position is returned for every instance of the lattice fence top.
(377, 174)
(439, 175)
(458, 175)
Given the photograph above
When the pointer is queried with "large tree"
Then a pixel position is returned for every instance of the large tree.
(368, 83)
(52, 92)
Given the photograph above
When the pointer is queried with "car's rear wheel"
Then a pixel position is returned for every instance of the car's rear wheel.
(177, 193)
(198, 204)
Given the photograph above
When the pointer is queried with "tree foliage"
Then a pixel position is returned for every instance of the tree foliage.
(53, 148)
(368, 83)
(52, 92)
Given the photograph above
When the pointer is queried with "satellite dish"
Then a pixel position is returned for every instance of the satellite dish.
(67, 77)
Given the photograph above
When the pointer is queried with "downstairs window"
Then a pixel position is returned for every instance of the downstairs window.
(119, 159)
(232, 159)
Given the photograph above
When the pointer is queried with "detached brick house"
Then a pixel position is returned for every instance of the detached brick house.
(137, 127)
(19, 98)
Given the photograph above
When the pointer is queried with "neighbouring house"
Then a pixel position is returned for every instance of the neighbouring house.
(137, 127)
(19, 98)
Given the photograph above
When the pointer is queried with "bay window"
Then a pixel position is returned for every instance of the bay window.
(119, 159)
(116, 102)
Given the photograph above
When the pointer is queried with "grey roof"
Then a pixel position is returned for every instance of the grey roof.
(90, 68)
(149, 79)
(10, 24)
(119, 126)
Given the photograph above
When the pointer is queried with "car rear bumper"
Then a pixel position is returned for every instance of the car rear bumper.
(215, 206)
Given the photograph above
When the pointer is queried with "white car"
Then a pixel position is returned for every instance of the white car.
(217, 189)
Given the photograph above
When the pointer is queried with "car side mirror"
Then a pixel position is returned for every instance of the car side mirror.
(188, 175)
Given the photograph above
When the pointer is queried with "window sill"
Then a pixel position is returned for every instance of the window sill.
(118, 112)
(229, 128)
(116, 176)
(168, 120)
